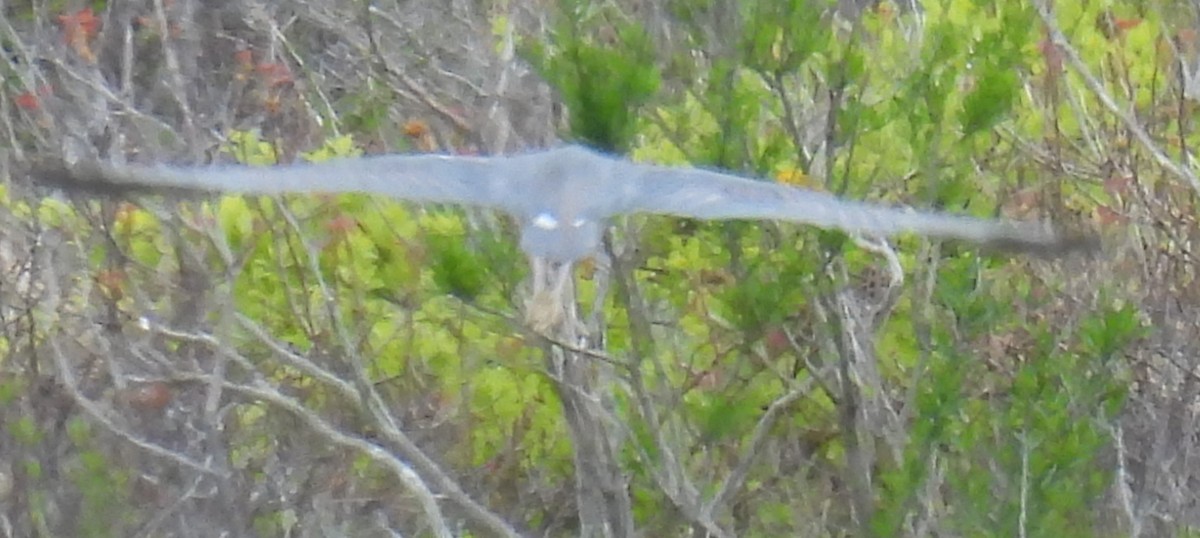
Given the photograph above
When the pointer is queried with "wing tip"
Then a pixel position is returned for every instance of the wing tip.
(77, 176)
(89, 176)
(1045, 241)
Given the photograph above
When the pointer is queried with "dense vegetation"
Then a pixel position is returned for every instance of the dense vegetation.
(354, 366)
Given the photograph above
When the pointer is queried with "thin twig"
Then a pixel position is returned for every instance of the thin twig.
(1097, 88)
(99, 415)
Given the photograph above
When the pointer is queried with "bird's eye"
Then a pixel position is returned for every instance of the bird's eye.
(578, 223)
(545, 221)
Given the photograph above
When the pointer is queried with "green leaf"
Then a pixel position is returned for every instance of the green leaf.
(249, 148)
(1108, 331)
(727, 417)
(10, 388)
(25, 431)
(456, 271)
(604, 71)
(990, 101)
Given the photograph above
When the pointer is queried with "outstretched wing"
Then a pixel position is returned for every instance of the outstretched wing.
(480, 181)
(709, 195)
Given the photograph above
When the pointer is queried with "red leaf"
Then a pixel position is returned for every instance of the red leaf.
(1107, 216)
(244, 59)
(149, 397)
(82, 21)
(341, 225)
(415, 128)
(274, 74)
(1126, 24)
(79, 29)
(27, 101)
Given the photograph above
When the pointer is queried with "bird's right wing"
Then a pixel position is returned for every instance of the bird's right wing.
(704, 194)
(482, 181)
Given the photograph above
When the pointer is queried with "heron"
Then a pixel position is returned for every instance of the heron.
(562, 198)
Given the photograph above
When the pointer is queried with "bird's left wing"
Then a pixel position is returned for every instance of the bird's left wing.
(484, 181)
(703, 194)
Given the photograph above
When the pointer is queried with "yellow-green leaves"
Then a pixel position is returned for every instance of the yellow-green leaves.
(248, 148)
(338, 147)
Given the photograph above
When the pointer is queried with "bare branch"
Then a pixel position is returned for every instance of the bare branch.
(1184, 171)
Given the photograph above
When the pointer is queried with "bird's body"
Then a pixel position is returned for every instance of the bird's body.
(562, 198)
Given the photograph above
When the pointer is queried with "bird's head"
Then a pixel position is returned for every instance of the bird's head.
(560, 237)
(567, 204)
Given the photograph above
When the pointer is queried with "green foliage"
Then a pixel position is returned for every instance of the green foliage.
(367, 111)
(1010, 435)
(1110, 331)
(927, 109)
(33, 468)
(455, 270)
(248, 147)
(990, 100)
(1043, 428)
(770, 291)
(379, 255)
(25, 431)
(338, 147)
(104, 490)
(780, 37)
(603, 68)
(10, 389)
(996, 57)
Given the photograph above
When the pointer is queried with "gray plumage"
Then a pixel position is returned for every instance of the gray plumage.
(563, 197)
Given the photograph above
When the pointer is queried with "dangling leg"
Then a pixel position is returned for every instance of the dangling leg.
(546, 307)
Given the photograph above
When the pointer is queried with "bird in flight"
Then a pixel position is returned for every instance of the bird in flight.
(562, 197)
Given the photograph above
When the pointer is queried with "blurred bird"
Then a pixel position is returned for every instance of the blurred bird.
(562, 198)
